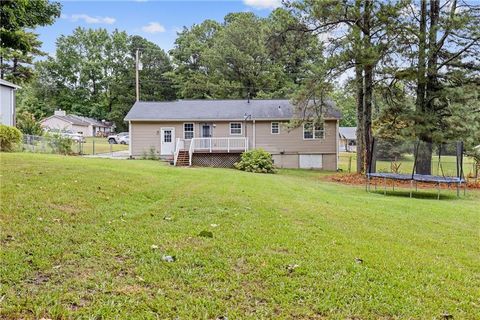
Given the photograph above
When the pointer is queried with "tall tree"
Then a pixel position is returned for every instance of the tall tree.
(443, 65)
(92, 74)
(356, 35)
(244, 56)
(18, 45)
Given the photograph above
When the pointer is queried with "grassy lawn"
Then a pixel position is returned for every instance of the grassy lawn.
(84, 238)
(101, 145)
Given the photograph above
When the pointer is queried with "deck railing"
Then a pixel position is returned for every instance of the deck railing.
(217, 144)
(209, 145)
(179, 145)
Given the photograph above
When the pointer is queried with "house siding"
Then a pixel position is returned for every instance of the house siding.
(288, 141)
(146, 135)
(285, 147)
(55, 123)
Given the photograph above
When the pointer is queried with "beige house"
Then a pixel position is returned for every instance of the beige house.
(216, 132)
(85, 126)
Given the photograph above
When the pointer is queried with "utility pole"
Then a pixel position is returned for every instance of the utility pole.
(137, 87)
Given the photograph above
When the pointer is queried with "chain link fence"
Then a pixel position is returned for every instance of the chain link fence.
(63, 145)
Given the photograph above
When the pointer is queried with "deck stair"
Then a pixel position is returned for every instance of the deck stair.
(183, 158)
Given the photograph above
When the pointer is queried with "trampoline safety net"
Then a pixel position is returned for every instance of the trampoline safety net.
(416, 160)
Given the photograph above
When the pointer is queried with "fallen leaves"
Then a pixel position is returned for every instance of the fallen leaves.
(359, 179)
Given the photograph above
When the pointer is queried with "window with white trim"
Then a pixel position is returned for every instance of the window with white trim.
(275, 128)
(235, 128)
(188, 131)
(311, 132)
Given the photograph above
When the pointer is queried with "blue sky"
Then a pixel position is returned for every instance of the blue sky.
(155, 20)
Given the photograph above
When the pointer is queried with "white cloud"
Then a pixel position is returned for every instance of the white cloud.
(89, 19)
(263, 4)
(153, 27)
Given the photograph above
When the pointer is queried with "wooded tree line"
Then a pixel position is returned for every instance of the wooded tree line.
(400, 69)
(415, 66)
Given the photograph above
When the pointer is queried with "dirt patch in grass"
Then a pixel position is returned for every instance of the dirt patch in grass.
(132, 289)
(67, 208)
(359, 179)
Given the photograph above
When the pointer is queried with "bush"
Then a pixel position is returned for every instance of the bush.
(9, 137)
(60, 144)
(257, 160)
(27, 124)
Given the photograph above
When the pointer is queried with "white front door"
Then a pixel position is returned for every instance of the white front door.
(167, 146)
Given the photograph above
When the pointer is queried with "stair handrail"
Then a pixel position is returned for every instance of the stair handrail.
(190, 151)
(177, 151)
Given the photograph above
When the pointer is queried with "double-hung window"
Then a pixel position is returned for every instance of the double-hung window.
(275, 128)
(188, 131)
(311, 131)
(235, 128)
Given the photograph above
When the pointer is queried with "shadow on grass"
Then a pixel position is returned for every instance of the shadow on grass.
(420, 194)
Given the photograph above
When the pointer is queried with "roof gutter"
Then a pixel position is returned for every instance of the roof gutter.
(230, 119)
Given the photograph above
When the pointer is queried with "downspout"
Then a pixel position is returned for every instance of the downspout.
(254, 135)
(337, 146)
(131, 138)
(14, 101)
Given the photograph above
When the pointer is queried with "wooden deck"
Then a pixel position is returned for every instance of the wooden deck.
(215, 159)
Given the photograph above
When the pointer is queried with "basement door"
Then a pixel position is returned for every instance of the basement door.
(311, 161)
(167, 145)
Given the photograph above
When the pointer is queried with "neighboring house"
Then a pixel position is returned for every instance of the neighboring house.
(348, 139)
(216, 132)
(7, 102)
(85, 126)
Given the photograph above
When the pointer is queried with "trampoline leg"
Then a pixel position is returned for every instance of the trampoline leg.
(438, 189)
(465, 188)
(375, 185)
(411, 187)
(458, 191)
(393, 185)
(416, 188)
(384, 186)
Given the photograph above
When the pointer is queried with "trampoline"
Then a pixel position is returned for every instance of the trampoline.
(417, 162)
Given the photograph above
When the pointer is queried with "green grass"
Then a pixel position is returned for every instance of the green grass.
(101, 145)
(76, 242)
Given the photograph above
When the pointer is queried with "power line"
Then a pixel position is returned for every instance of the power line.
(213, 84)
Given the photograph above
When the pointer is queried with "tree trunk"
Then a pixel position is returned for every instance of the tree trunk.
(424, 158)
(368, 82)
(1, 67)
(360, 118)
(359, 92)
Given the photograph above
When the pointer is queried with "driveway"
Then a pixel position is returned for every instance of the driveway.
(119, 155)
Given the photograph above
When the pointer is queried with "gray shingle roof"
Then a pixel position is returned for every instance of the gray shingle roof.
(73, 120)
(349, 133)
(79, 120)
(217, 110)
(92, 121)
